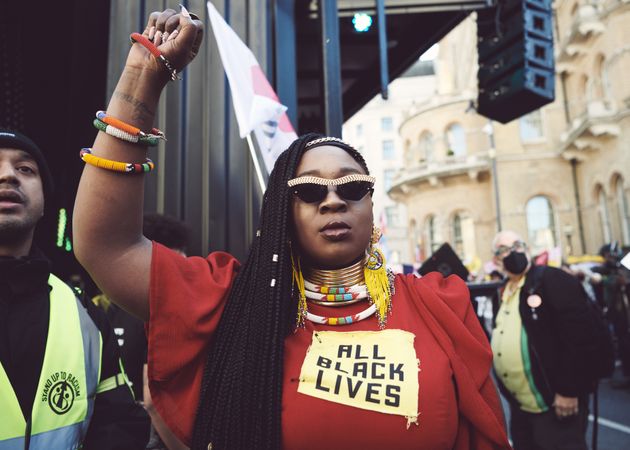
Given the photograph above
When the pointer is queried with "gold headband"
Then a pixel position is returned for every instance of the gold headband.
(331, 182)
(327, 139)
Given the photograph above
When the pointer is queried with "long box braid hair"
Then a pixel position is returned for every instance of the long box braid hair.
(241, 390)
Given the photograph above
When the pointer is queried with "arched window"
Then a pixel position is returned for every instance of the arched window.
(583, 86)
(416, 241)
(458, 240)
(426, 146)
(622, 208)
(455, 140)
(463, 235)
(433, 237)
(604, 216)
(541, 224)
(599, 79)
(409, 153)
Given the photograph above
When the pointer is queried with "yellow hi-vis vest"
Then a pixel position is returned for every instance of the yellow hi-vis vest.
(68, 382)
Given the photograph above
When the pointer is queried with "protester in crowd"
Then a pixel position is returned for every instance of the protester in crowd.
(130, 332)
(547, 344)
(311, 343)
(615, 287)
(61, 384)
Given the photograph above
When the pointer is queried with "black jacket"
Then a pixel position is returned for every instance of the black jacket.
(118, 422)
(557, 330)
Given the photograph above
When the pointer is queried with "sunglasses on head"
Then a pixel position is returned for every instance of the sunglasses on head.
(314, 189)
(504, 250)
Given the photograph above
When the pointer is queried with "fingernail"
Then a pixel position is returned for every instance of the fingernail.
(158, 38)
(173, 34)
(165, 36)
(184, 11)
(151, 33)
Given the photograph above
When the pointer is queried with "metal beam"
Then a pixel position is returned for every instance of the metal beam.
(331, 67)
(347, 8)
(284, 39)
(382, 47)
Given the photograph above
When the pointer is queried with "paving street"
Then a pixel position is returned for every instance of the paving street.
(614, 418)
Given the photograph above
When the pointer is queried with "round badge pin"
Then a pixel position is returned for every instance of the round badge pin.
(534, 301)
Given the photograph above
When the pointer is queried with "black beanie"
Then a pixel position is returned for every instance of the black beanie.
(13, 139)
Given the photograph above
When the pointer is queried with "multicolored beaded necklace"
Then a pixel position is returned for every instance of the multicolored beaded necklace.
(367, 279)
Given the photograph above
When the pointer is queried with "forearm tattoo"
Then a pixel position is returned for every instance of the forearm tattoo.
(140, 109)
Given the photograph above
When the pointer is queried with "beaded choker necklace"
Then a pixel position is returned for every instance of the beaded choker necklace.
(366, 279)
(334, 296)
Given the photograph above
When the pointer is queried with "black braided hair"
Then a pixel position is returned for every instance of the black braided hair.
(241, 391)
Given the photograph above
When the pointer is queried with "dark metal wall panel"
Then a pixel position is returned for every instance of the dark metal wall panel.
(331, 67)
(285, 59)
(196, 157)
(217, 140)
(238, 158)
(204, 175)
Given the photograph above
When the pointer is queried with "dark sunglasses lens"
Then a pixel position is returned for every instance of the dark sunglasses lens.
(355, 190)
(310, 192)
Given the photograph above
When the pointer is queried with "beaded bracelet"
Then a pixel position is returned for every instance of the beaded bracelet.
(115, 166)
(117, 123)
(147, 139)
(146, 43)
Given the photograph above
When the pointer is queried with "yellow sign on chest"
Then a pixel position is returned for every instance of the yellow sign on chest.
(373, 370)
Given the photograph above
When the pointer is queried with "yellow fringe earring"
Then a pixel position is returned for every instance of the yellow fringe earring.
(298, 278)
(378, 280)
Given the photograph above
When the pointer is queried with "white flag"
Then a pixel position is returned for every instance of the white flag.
(256, 104)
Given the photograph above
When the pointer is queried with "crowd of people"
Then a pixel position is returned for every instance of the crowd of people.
(310, 342)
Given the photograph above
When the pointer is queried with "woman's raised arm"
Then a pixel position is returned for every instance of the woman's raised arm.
(107, 222)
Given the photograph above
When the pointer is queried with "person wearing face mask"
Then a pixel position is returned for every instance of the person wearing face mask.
(544, 329)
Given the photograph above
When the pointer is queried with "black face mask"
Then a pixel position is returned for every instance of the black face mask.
(515, 262)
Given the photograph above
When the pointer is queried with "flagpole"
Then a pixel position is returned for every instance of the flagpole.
(259, 174)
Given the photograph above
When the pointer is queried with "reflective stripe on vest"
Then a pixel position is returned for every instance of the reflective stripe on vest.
(64, 401)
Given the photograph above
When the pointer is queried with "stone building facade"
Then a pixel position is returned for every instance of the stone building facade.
(559, 176)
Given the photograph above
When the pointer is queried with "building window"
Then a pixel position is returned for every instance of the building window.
(458, 240)
(359, 130)
(622, 208)
(463, 235)
(387, 124)
(541, 224)
(409, 158)
(388, 149)
(604, 216)
(599, 91)
(416, 241)
(391, 214)
(388, 178)
(455, 140)
(433, 238)
(426, 147)
(530, 126)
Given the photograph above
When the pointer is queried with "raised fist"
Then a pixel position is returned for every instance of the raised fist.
(177, 35)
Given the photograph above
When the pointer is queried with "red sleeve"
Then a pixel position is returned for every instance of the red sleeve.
(445, 305)
(186, 296)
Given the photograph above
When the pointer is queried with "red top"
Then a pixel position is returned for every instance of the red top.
(187, 296)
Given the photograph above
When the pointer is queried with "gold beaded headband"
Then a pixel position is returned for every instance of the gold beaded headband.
(331, 182)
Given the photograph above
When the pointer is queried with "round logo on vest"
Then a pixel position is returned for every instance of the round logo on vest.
(60, 391)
